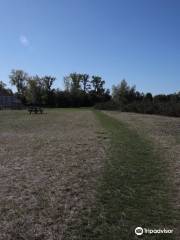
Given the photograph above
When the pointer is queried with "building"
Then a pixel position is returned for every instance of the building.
(11, 102)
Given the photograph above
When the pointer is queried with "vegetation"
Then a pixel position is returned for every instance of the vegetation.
(127, 99)
(70, 176)
(81, 90)
(134, 189)
(50, 165)
(5, 91)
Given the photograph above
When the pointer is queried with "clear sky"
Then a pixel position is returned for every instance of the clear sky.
(138, 40)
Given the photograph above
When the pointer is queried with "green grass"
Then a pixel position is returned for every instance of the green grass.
(134, 189)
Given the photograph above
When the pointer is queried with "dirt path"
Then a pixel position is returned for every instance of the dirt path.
(48, 169)
(165, 134)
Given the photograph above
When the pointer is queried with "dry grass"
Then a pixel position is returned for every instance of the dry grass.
(48, 169)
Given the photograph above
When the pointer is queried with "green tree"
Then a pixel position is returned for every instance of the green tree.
(98, 85)
(85, 82)
(75, 79)
(123, 93)
(67, 84)
(48, 82)
(3, 90)
(2, 85)
(18, 78)
(34, 90)
(72, 82)
(47, 91)
(148, 97)
(120, 92)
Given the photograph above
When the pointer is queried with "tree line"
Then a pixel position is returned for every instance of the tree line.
(83, 90)
(80, 90)
(127, 99)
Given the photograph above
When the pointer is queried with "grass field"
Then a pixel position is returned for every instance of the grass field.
(164, 133)
(136, 189)
(75, 174)
(48, 172)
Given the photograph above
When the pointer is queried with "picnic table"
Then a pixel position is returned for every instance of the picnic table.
(35, 110)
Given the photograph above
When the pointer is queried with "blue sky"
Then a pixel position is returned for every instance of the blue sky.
(138, 40)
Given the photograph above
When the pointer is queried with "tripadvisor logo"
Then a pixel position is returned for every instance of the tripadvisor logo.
(139, 231)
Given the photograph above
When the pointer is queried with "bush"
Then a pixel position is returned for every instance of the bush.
(147, 107)
(168, 109)
(110, 105)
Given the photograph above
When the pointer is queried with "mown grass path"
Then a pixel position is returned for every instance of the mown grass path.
(133, 191)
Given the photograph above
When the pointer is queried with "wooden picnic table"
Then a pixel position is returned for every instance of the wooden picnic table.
(35, 110)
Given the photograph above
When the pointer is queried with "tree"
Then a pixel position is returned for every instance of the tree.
(5, 91)
(75, 79)
(34, 90)
(72, 82)
(120, 92)
(67, 84)
(148, 97)
(85, 82)
(131, 94)
(47, 91)
(48, 82)
(124, 94)
(2, 85)
(18, 78)
(98, 85)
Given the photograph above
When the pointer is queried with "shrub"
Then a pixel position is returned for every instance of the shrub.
(159, 108)
(110, 105)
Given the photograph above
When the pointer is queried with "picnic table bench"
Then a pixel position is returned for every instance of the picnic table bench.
(35, 110)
